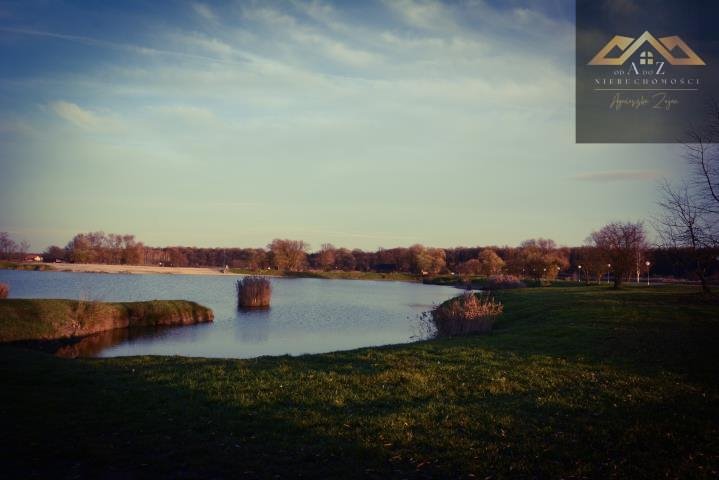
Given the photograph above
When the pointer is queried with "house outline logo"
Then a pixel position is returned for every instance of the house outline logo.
(663, 46)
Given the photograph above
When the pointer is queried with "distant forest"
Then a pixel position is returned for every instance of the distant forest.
(535, 258)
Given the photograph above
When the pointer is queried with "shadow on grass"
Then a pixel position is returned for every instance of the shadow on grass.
(599, 384)
(374, 413)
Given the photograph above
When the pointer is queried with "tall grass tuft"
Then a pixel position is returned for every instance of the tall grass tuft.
(4, 290)
(497, 282)
(253, 292)
(467, 313)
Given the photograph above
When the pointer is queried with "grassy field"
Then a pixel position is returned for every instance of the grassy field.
(52, 319)
(573, 383)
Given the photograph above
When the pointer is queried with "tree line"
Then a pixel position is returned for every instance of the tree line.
(619, 251)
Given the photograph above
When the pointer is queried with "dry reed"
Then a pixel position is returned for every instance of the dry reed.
(467, 313)
(253, 292)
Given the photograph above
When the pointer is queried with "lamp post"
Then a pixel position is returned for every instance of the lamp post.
(609, 268)
(580, 274)
(648, 263)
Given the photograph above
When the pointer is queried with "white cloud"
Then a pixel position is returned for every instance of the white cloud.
(424, 14)
(83, 118)
(203, 11)
(204, 44)
(298, 35)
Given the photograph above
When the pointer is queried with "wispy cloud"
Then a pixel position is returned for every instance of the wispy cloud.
(424, 14)
(123, 46)
(204, 44)
(300, 34)
(203, 11)
(618, 176)
(83, 118)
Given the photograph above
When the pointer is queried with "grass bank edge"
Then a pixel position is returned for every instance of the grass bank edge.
(53, 319)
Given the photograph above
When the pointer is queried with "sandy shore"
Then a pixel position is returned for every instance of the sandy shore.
(97, 268)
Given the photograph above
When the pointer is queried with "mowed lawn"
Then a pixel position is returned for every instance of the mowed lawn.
(575, 382)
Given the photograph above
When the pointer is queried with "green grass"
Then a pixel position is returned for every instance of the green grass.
(25, 266)
(332, 275)
(572, 383)
(51, 319)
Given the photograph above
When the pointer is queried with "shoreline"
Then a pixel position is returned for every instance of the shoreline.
(131, 269)
(208, 271)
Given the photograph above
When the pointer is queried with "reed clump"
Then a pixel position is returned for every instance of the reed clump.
(465, 314)
(253, 292)
(497, 282)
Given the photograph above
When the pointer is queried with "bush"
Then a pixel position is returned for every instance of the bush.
(468, 313)
(496, 282)
(253, 292)
(4, 290)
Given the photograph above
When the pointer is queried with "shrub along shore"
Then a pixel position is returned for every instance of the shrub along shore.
(54, 319)
(571, 383)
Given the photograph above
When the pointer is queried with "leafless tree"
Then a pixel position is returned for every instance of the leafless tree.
(690, 211)
(702, 153)
(288, 255)
(8, 247)
(686, 224)
(326, 256)
(23, 248)
(593, 262)
(624, 245)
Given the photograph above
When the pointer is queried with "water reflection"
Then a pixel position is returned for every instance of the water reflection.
(252, 325)
(307, 315)
(93, 345)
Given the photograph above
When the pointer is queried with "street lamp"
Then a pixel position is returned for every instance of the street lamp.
(580, 274)
(648, 264)
(609, 267)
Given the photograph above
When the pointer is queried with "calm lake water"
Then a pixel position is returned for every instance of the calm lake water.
(307, 315)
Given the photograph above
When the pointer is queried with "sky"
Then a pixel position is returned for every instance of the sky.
(362, 124)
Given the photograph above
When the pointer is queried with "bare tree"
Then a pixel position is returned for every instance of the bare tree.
(702, 154)
(686, 224)
(288, 255)
(23, 248)
(690, 217)
(326, 256)
(8, 247)
(624, 245)
(593, 262)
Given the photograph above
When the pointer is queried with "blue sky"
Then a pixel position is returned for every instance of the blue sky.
(363, 124)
